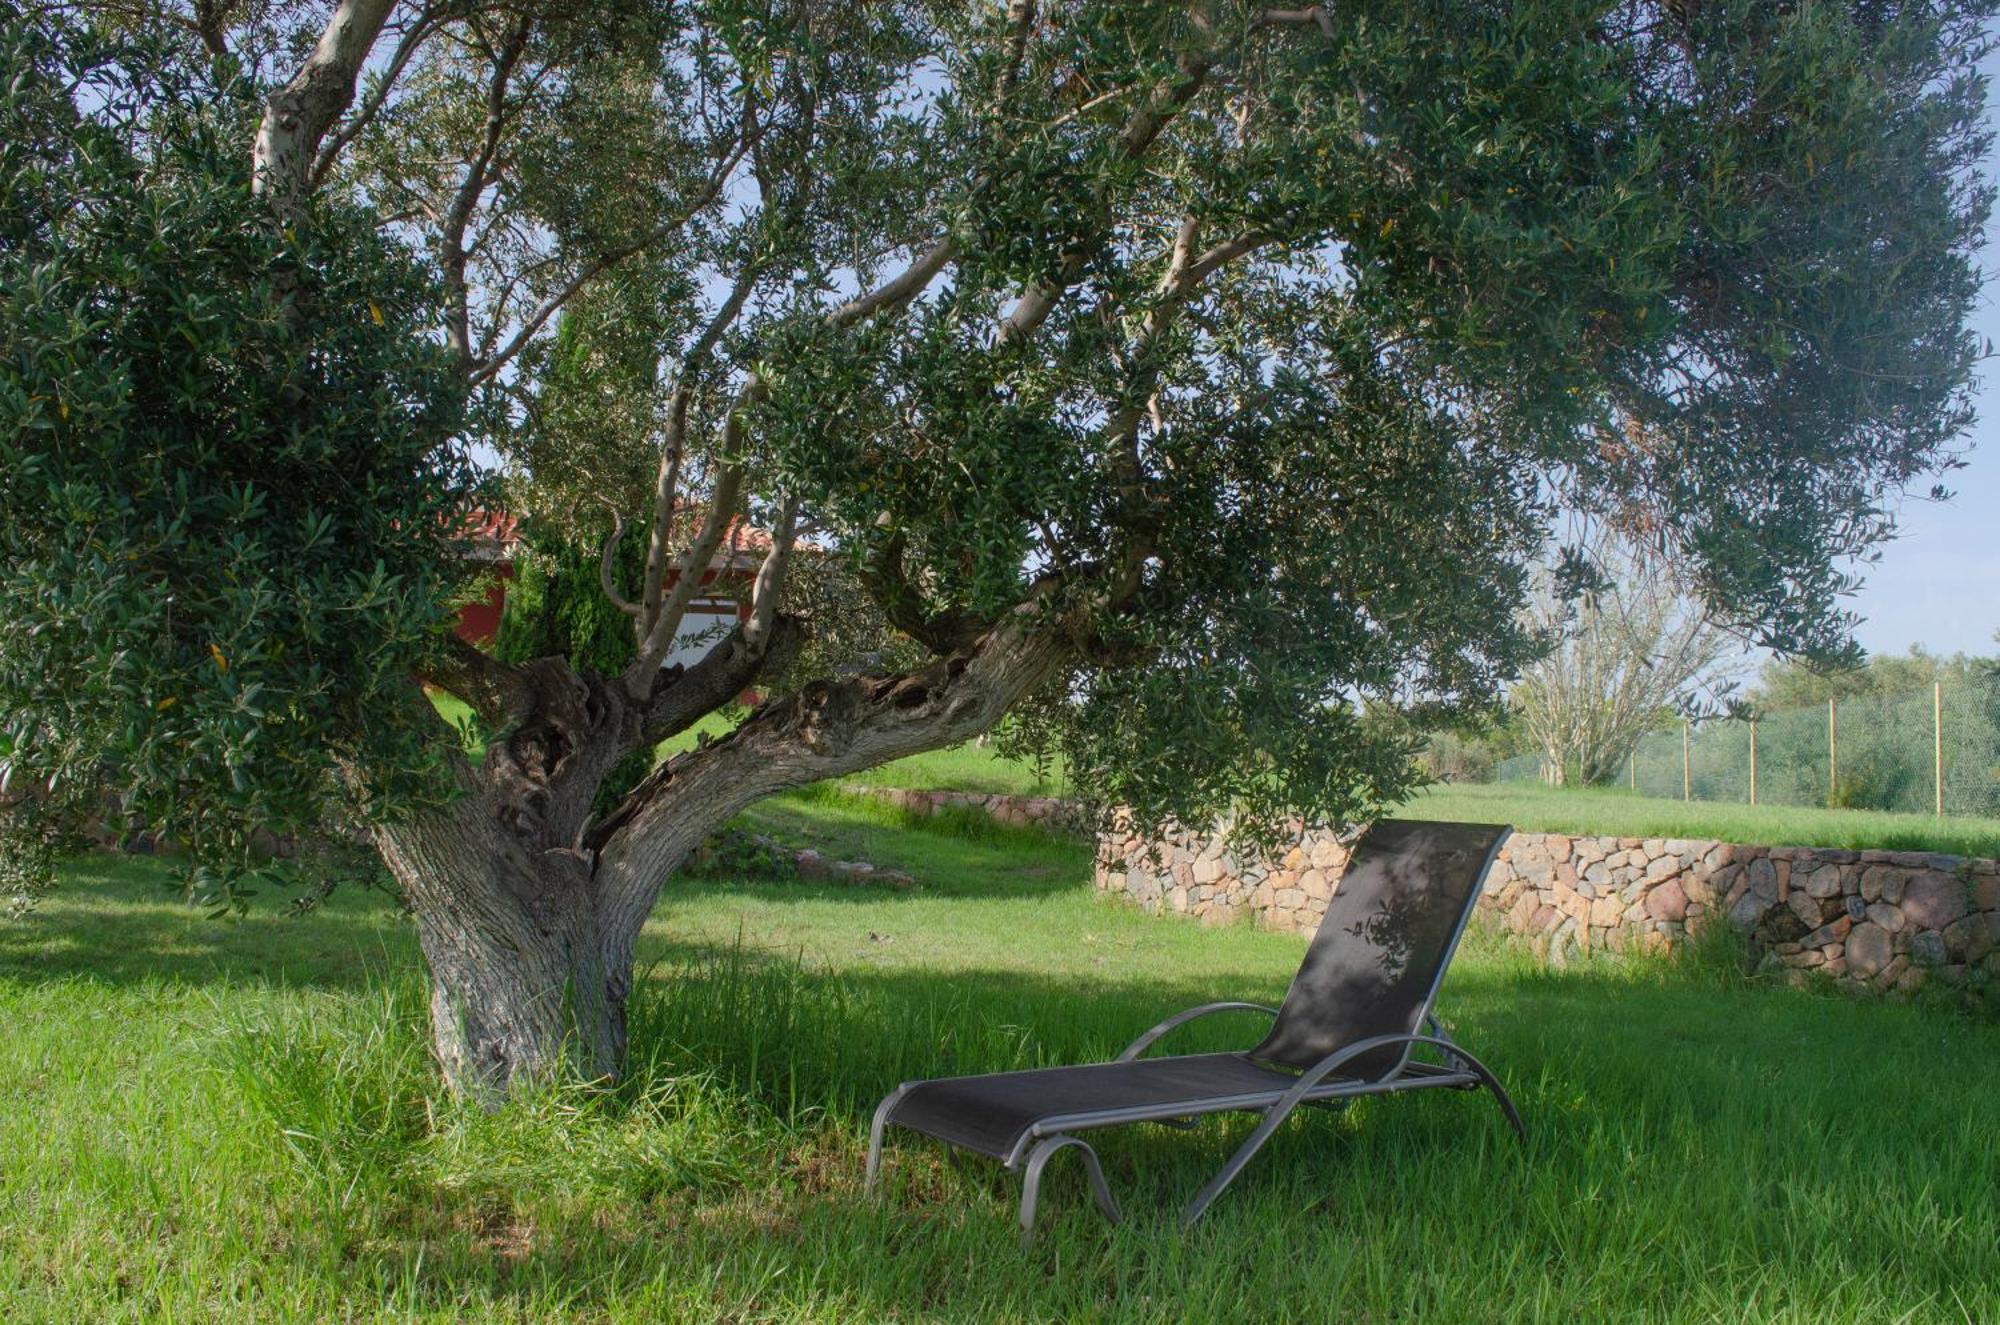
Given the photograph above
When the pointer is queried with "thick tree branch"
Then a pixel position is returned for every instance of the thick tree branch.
(686, 696)
(371, 105)
(1020, 19)
(827, 729)
(298, 115)
(496, 691)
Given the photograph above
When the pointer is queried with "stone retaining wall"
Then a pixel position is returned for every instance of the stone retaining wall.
(1046, 812)
(1881, 919)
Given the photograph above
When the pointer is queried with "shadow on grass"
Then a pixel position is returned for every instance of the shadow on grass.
(1702, 1146)
(118, 920)
(1690, 1134)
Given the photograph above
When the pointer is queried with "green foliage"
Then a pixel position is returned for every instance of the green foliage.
(227, 462)
(587, 442)
(1703, 271)
(556, 609)
(1450, 756)
(1700, 271)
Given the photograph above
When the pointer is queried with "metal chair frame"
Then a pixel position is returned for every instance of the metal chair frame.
(1316, 1085)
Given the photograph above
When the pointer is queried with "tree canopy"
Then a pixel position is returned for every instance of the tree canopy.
(228, 452)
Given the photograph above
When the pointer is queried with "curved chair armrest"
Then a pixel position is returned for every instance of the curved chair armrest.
(1338, 1059)
(1144, 1042)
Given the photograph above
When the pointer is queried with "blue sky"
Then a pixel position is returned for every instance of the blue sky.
(1938, 584)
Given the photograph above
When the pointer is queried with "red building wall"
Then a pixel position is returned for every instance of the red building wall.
(479, 620)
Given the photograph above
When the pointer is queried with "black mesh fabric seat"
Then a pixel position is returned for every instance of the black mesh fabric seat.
(993, 1114)
(1358, 1007)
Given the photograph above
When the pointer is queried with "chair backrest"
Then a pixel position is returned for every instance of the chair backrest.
(1381, 952)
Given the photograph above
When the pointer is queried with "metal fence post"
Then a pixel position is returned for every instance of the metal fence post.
(1832, 756)
(1937, 743)
(1687, 781)
(1753, 761)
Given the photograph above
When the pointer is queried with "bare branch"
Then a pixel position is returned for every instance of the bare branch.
(489, 368)
(693, 564)
(607, 568)
(666, 487)
(1217, 258)
(451, 238)
(768, 588)
(906, 286)
(1183, 250)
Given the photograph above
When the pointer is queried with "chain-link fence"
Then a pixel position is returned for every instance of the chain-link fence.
(1915, 753)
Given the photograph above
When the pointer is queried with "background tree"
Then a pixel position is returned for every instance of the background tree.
(1173, 375)
(1786, 683)
(1628, 652)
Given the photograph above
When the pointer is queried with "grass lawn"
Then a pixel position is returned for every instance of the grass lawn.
(1532, 807)
(232, 1120)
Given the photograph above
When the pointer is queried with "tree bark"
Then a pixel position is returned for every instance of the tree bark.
(516, 941)
(505, 898)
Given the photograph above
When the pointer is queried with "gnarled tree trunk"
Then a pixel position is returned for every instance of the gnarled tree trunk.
(516, 942)
(529, 913)
(527, 977)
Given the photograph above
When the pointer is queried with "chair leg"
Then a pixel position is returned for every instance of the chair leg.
(1274, 1118)
(1493, 1087)
(1505, 1101)
(1031, 1182)
(875, 1131)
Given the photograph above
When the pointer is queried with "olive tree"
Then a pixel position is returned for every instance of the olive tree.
(1171, 376)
